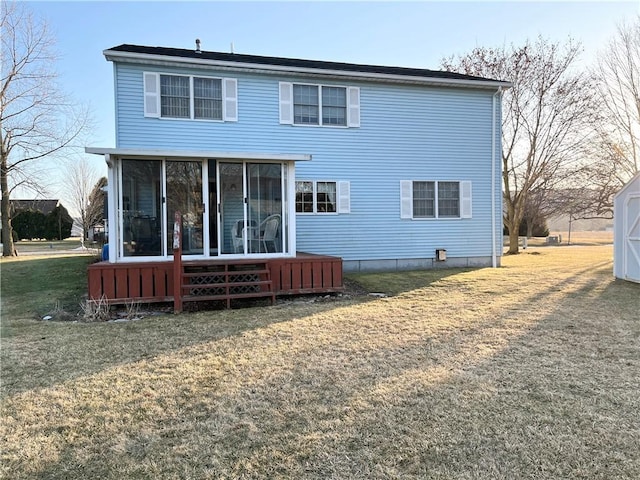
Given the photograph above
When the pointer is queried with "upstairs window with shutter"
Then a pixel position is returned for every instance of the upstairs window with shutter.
(321, 105)
(190, 97)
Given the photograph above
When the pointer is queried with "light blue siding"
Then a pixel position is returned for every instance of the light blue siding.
(407, 132)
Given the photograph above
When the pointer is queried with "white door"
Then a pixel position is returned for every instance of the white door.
(632, 239)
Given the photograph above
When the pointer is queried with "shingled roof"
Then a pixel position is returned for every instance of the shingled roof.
(294, 63)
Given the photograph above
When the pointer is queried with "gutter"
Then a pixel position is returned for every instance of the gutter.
(494, 260)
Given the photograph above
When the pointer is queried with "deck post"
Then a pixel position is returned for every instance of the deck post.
(177, 263)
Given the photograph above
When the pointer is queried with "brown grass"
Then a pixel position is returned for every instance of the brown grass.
(527, 371)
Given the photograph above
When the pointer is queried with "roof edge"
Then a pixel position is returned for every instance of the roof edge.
(168, 153)
(126, 56)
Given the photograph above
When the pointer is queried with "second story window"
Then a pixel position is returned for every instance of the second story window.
(334, 106)
(207, 98)
(322, 105)
(190, 97)
(306, 105)
(174, 96)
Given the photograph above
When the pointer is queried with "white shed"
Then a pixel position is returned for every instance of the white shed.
(626, 231)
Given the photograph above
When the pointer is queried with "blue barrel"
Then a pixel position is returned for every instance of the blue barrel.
(105, 252)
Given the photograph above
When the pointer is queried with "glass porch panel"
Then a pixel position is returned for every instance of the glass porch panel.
(184, 194)
(231, 208)
(264, 199)
(140, 207)
(213, 209)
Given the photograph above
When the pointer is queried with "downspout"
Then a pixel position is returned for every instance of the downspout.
(494, 254)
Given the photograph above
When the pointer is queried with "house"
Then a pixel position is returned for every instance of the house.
(626, 231)
(267, 157)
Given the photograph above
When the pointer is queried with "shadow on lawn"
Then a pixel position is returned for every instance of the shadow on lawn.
(41, 284)
(549, 401)
(545, 400)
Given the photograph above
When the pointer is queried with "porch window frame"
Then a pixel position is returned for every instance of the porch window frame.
(116, 253)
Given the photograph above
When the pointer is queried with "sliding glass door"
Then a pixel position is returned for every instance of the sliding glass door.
(228, 207)
(184, 194)
(251, 208)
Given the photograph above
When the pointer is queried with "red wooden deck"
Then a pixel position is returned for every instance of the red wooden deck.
(150, 282)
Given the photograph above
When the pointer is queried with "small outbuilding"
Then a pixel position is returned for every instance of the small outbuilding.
(626, 236)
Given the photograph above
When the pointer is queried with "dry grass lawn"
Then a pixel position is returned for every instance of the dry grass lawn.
(527, 371)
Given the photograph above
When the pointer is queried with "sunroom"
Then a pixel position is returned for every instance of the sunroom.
(226, 202)
(233, 209)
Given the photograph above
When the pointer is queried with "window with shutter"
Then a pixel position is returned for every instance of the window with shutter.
(435, 199)
(323, 197)
(190, 97)
(321, 105)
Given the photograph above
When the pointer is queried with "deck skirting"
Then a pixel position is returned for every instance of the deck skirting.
(153, 282)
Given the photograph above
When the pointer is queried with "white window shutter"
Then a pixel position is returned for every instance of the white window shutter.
(353, 109)
(286, 103)
(230, 102)
(151, 82)
(344, 197)
(465, 200)
(406, 199)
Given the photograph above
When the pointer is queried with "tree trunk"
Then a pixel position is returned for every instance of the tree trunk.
(8, 249)
(513, 241)
(530, 229)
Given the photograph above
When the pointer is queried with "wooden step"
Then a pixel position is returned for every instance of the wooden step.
(229, 277)
(225, 274)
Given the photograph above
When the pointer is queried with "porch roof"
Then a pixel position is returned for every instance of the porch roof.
(146, 153)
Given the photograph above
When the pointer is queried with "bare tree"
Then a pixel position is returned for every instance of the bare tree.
(613, 156)
(544, 116)
(37, 120)
(82, 182)
(95, 207)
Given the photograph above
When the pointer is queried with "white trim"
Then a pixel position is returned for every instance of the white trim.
(135, 152)
(113, 193)
(167, 60)
(494, 163)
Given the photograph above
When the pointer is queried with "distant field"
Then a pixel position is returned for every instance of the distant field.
(577, 238)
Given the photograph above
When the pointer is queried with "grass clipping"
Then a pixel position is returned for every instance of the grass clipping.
(527, 371)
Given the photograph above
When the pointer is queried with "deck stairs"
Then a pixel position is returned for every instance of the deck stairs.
(225, 282)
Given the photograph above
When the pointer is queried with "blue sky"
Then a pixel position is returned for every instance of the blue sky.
(414, 34)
